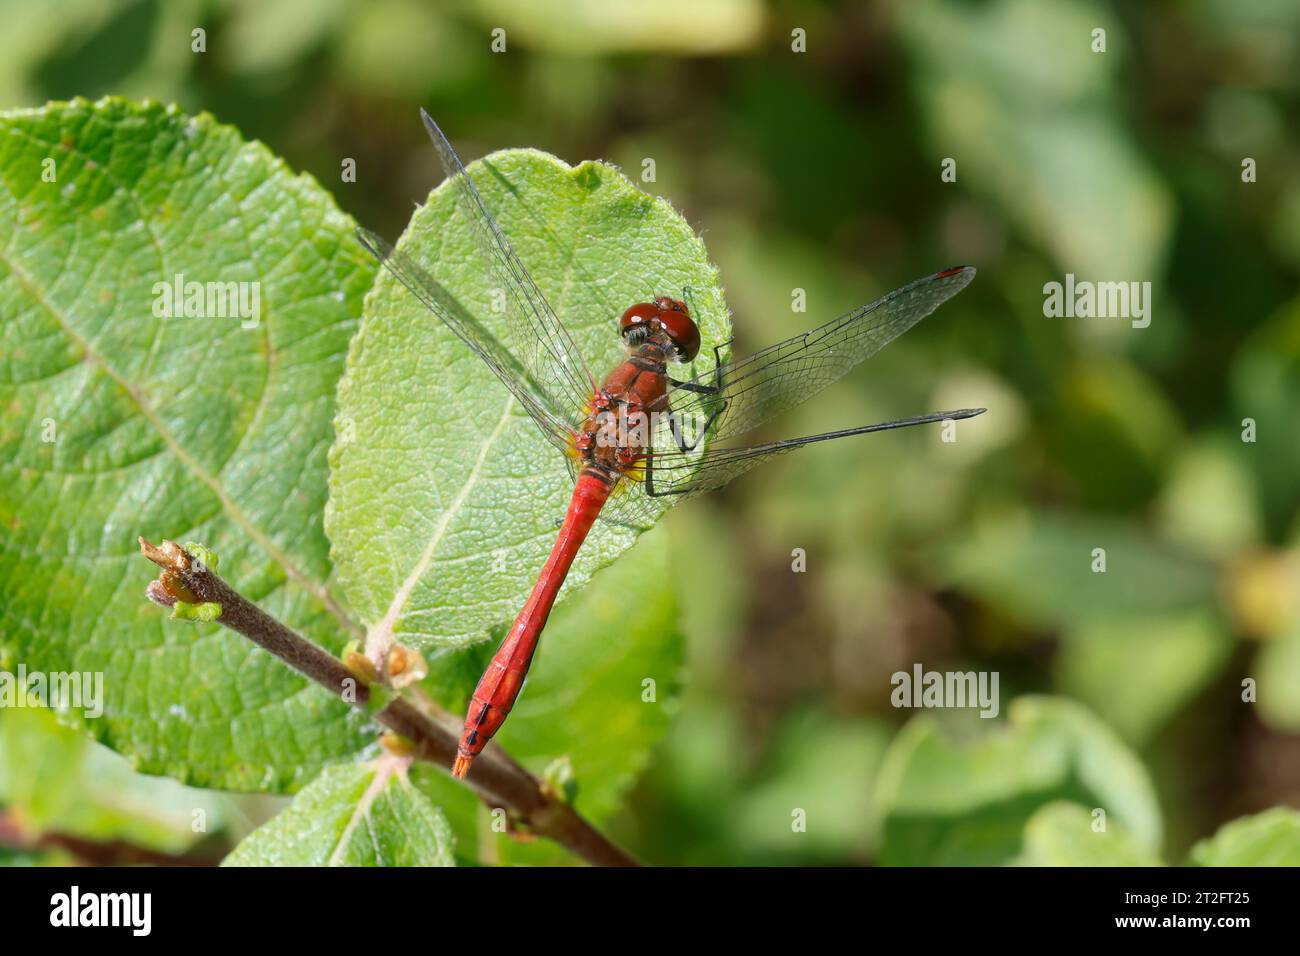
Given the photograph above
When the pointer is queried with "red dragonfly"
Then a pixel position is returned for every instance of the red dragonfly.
(636, 440)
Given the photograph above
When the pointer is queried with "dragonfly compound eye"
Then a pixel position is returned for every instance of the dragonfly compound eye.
(683, 332)
(637, 317)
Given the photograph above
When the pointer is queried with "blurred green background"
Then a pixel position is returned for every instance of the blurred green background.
(821, 171)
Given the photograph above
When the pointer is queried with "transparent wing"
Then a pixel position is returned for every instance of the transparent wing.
(544, 347)
(745, 393)
(675, 475)
(445, 306)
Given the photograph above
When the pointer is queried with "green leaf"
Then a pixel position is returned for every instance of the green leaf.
(444, 498)
(948, 801)
(1062, 834)
(1271, 838)
(115, 422)
(353, 815)
(586, 698)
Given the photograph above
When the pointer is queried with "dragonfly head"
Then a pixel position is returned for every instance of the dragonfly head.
(664, 322)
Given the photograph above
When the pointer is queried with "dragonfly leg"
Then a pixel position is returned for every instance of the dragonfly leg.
(674, 421)
(675, 426)
(718, 375)
(650, 480)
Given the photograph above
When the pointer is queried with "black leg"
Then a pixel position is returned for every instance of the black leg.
(650, 480)
(674, 425)
(694, 387)
(717, 375)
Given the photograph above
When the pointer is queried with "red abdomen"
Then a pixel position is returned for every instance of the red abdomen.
(500, 684)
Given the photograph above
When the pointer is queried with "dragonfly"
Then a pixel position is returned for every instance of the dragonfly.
(639, 439)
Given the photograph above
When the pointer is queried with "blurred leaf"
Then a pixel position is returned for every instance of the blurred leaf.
(962, 803)
(1271, 838)
(1138, 672)
(584, 696)
(170, 426)
(1263, 590)
(826, 768)
(703, 766)
(402, 48)
(1116, 433)
(1260, 34)
(1285, 228)
(352, 815)
(31, 38)
(1277, 671)
(819, 173)
(1036, 567)
(1062, 834)
(678, 27)
(713, 597)
(1034, 119)
(53, 779)
(261, 37)
(1210, 502)
(1265, 377)
(699, 774)
(99, 62)
(35, 858)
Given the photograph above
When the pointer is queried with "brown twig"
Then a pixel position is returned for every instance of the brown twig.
(14, 836)
(496, 777)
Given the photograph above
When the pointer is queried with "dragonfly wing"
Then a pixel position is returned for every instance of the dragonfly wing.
(776, 379)
(675, 475)
(540, 339)
(444, 305)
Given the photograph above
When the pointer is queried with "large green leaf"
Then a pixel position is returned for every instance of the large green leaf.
(950, 802)
(444, 499)
(1271, 838)
(115, 422)
(352, 815)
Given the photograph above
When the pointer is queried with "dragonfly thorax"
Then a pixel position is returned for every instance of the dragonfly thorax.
(617, 429)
